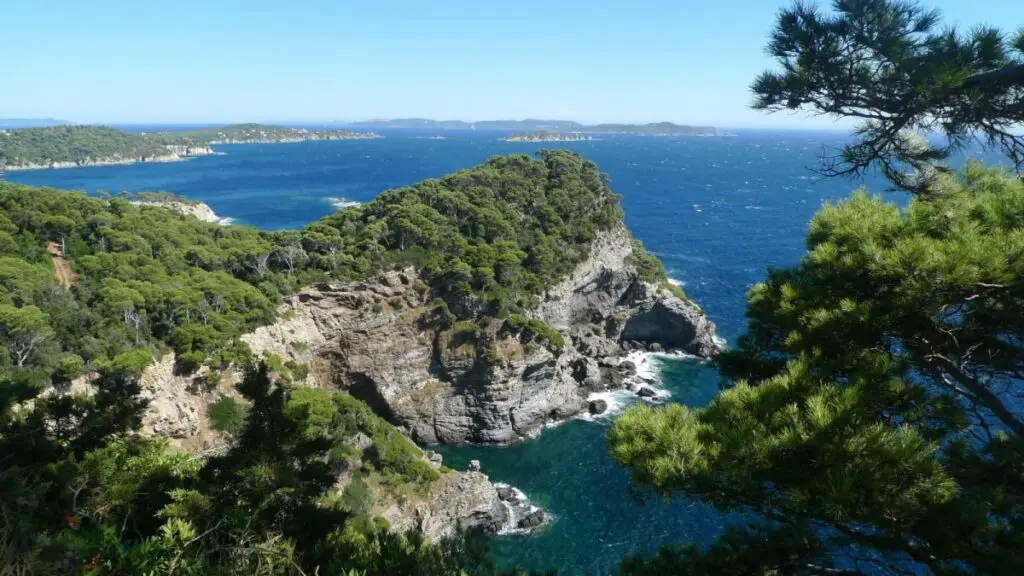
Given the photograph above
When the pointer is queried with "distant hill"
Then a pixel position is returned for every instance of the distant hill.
(539, 125)
(9, 123)
(72, 146)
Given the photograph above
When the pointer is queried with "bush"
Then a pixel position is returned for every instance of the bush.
(132, 362)
(227, 415)
(189, 362)
(211, 380)
(534, 328)
(69, 367)
(298, 371)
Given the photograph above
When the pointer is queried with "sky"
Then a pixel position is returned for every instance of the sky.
(211, 61)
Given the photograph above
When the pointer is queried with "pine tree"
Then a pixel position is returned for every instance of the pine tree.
(871, 419)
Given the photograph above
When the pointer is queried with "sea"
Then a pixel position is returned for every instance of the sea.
(718, 211)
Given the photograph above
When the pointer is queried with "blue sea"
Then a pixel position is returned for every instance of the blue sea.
(717, 211)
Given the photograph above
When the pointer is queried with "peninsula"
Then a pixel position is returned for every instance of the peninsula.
(419, 317)
(76, 146)
(547, 137)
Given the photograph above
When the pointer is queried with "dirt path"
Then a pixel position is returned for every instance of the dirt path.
(63, 273)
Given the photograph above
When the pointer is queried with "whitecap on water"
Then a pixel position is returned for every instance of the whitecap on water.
(675, 282)
(340, 203)
(517, 510)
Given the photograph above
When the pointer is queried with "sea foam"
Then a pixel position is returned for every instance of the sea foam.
(340, 203)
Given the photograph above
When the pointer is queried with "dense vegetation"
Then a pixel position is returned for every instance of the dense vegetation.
(79, 144)
(83, 144)
(871, 420)
(488, 241)
(81, 492)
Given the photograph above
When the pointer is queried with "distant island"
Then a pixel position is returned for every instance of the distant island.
(539, 125)
(546, 137)
(31, 122)
(75, 146)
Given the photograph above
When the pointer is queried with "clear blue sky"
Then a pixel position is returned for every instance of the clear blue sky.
(269, 60)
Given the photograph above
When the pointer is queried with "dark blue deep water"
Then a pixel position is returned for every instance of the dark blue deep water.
(717, 211)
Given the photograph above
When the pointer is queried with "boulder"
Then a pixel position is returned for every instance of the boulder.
(434, 458)
(532, 520)
(507, 494)
(646, 392)
(474, 466)
(597, 407)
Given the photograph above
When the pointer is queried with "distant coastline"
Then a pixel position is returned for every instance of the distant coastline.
(112, 161)
(57, 147)
(538, 125)
(547, 137)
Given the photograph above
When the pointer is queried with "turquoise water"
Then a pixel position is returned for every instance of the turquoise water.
(597, 520)
(717, 211)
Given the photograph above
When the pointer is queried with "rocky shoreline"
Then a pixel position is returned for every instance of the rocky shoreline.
(175, 153)
(375, 340)
(198, 210)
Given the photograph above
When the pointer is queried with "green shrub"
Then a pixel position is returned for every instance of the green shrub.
(492, 356)
(298, 371)
(227, 415)
(534, 328)
(69, 367)
(211, 380)
(466, 327)
(189, 362)
(132, 362)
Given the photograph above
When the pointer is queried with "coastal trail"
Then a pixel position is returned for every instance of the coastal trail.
(63, 273)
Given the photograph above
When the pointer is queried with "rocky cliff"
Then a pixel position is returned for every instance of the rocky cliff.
(172, 153)
(198, 210)
(380, 341)
(376, 340)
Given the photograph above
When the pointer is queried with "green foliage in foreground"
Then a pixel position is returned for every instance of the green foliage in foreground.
(892, 66)
(92, 497)
(872, 421)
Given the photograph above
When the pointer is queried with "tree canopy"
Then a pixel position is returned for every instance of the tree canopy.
(870, 419)
(888, 64)
(82, 492)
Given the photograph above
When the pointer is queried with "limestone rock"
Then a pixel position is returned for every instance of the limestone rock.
(466, 499)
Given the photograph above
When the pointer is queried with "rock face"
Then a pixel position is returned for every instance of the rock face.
(173, 153)
(195, 209)
(466, 499)
(376, 340)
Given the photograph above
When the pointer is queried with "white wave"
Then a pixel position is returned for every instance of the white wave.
(616, 400)
(514, 512)
(225, 220)
(340, 203)
(720, 341)
(676, 282)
